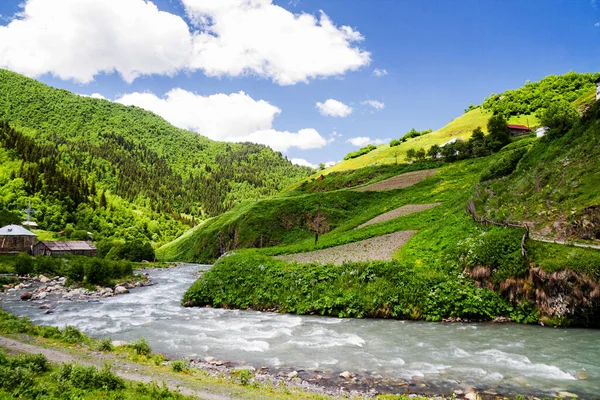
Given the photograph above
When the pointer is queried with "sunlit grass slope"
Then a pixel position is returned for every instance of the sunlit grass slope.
(461, 128)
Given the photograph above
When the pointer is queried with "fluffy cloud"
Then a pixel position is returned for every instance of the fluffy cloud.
(380, 72)
(377, 105)
(597, 24)
(330, 164)
(302, 162)
(362, 141)
(236, 117)
(334, 108)
(256, 36)
(94, 96)
(79, 39)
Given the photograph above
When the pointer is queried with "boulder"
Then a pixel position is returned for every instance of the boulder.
(472, 396)
(292, 374)
(121, 290)
(44, 279)
(39, 296)
(210, 360)
(119, 343)
(26, 296)
(346, 375)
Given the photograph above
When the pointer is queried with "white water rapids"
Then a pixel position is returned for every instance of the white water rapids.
(507, 358)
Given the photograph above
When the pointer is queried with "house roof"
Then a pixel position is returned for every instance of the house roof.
(518, 127)
(68, 245)
(15, 230)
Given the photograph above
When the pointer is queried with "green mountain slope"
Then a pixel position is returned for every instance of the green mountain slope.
(136, 157)
(452, 267)
(518, 106)
(555, 188)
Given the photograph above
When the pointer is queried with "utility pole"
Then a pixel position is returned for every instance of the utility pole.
(29, 211)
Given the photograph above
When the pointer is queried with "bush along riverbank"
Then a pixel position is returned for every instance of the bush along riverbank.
(484, 278)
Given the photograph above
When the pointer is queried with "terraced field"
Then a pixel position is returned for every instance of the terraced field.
(399, 181)
(378, 248)
(398, 212)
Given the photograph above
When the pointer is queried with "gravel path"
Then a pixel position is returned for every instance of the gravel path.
(379, 248)
(399, 212)
(125, 369)
(399, 181)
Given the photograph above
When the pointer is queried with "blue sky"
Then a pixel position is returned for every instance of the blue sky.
(434, 58)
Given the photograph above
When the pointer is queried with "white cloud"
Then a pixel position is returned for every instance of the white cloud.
(79, 39)
(362, 141)
(377, 105)
(334, 108)
(330, 164)
(380, 72)
(302, 162)
(74, 39)
(256, 36)
(597, 24)
(236, 117)
(334, 135)
(94, 96)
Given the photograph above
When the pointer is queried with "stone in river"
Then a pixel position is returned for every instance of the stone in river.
(44, 279)
(346, 375)
(26, 296)
(292, 374)
(121, 290)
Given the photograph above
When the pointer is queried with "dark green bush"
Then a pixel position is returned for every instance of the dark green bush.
(89, 377)
(97, 271)
(503, 166)
(462, 298)
(72, 335)
(24, 264)
(367, 149)
(141, 347)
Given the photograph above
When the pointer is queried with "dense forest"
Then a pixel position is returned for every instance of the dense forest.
(72, 153)
(540, 95)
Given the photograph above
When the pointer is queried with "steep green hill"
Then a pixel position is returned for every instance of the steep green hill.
(519, 106)
(555, 188)
(141, 161)
(452, 266)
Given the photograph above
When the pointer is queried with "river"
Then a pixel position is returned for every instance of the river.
(507, 358)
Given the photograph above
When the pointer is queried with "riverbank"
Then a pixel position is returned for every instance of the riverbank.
(388, 355)
(209, 379)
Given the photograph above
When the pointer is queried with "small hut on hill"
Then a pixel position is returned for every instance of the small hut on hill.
(16, 239)
(78, 248)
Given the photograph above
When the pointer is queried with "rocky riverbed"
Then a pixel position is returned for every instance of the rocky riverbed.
(38, 288)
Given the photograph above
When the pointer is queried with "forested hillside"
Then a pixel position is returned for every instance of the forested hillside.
(71, 152)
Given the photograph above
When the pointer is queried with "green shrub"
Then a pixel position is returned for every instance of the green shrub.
(89, 377)
(503, 166)
(141, 347)
(105, 344)
(367, 149)
(462, 298)
(395, 142)
(179, 366)
(34, 362)
(97, 271)
(242, 376)
(72, 335)
(24, 264)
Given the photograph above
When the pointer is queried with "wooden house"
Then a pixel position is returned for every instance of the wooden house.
(59, 248)
(518, 130)
(16, 239)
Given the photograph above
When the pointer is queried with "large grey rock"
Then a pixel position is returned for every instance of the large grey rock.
(121, 290)
(44, 279)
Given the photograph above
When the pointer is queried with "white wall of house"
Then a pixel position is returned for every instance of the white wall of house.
(597, 90)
